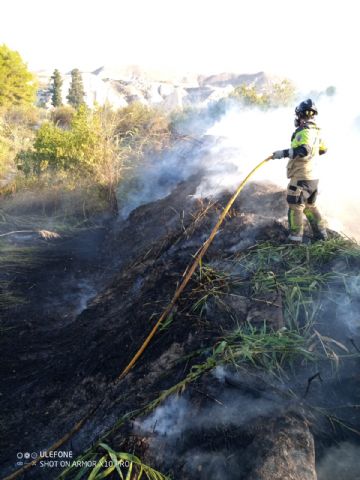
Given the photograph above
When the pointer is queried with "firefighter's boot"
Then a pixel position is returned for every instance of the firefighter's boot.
(317, 224)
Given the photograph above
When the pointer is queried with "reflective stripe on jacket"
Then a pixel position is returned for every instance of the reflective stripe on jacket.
(306, 145)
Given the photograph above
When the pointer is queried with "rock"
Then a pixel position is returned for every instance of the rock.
(283, 451)
(234, 79)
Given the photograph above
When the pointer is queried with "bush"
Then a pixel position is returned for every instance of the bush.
(87, 151)
(276, 94)
(142, 129)
(17, 131)
(89, 148)
(63, 116)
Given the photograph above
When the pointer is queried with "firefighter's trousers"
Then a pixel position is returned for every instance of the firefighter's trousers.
(301, 198)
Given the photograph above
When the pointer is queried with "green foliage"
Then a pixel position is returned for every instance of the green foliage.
(55, 89)
(76, 93)
(88, 151)
(272, 351)
(17, 84)
(74, 150)
(17, 126)
(126, 465)
(92, 137)
(250, 95)
(276, 94)
(297, 273)
(112, 464)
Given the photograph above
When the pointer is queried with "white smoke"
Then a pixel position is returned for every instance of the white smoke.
(346, 306)
(252, 134)
(177, 415)
(340, 462)
(248, 135)
(168, 419)
(340, 190)
(245, 136)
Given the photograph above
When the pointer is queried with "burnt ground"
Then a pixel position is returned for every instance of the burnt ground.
(91, 299)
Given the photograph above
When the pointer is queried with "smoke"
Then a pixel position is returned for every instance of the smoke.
(247, 137)
(340, 463)
(232, 410)
(244, 136)
(161, 174)
(252, 134)
(168, 419)
(213, 465)
(347, 306)
(178, 427)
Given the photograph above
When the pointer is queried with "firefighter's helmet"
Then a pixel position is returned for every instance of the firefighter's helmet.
(306, 109)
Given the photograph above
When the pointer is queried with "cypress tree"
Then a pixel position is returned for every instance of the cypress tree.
(56, 97)
(76, 93)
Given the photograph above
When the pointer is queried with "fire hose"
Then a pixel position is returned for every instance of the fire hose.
(190, 271)
(187, 276)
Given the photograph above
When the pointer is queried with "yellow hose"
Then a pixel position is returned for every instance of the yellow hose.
(190, 271)
(166, 312)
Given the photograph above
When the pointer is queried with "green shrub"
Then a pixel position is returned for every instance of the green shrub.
(275, 94)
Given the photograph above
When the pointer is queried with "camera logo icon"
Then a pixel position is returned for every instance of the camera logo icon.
(19, 455)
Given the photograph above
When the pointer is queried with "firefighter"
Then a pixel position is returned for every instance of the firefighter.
(306, 146)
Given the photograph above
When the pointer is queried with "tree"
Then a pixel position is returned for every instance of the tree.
(88, 151)
(17, 84)
(55, 88)
(76, 91)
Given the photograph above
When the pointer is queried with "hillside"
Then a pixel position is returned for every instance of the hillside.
(253, 376)
(121, 86)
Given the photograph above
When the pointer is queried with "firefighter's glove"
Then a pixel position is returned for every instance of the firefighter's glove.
(278, 154)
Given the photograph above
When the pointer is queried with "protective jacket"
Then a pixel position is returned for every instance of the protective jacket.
(306, 146)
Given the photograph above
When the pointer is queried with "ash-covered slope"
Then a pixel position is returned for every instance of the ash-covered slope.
(247, 316)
